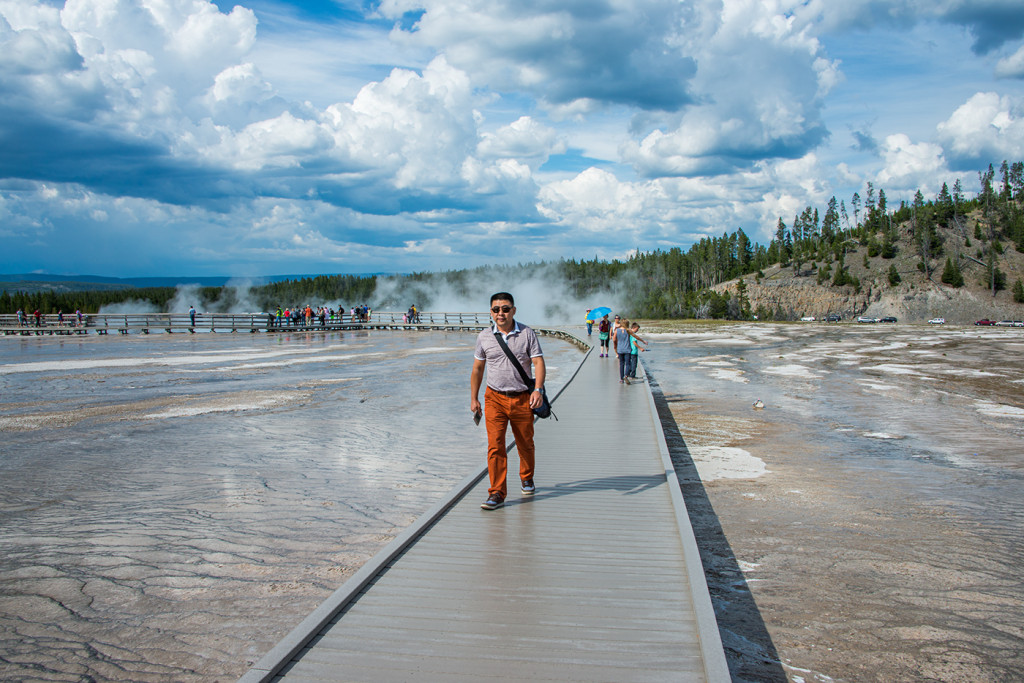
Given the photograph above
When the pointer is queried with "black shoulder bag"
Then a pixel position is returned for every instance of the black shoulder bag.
(544, 410)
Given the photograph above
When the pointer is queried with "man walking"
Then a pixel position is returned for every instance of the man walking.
(507, 400)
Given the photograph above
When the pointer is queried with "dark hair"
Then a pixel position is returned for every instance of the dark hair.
(503, 296)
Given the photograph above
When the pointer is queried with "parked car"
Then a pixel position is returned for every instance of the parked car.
(937, 321)
(833, 318)
(985, 321)
(1018, 323)
(1005, 323)
(807, 319)
(888, 319)
(867, 319)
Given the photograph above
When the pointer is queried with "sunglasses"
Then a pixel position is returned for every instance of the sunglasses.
(501, 309)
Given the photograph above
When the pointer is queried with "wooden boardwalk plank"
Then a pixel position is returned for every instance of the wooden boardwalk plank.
(587, 580)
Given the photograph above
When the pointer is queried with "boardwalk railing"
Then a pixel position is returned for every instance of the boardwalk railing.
(145, 323)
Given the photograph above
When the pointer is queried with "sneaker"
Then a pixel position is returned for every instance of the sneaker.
(528, 487)
(493, 502)
(627, 379)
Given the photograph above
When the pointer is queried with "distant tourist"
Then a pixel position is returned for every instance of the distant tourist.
(192, 315)
(507, 399)
(590, 323)
(39, 318)
(603, 334)
(21, 318)
(616, 323)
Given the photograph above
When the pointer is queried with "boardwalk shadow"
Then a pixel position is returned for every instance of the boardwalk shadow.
(749, 649)
(627, 485)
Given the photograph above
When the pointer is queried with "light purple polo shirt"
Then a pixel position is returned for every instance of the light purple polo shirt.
(501, 374)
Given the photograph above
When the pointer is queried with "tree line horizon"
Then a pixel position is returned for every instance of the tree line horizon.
(673, 283)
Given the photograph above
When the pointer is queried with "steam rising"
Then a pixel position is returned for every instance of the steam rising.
(234, 297)
(542, 293)
(132, 307)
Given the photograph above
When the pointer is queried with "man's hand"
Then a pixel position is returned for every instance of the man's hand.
(476, 378)
(536, 399)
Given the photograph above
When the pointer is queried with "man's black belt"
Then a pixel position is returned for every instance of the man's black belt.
(511, 394)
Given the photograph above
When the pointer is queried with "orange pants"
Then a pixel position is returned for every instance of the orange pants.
(500, 411)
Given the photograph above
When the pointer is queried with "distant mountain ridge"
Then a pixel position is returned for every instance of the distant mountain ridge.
(42, 281)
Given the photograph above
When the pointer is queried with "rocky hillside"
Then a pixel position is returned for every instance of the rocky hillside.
(917, 298)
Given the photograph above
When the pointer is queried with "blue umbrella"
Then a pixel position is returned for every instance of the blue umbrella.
(598, 313)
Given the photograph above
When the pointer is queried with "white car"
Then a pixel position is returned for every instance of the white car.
(807, 319)
(867, 319)
(937, 321)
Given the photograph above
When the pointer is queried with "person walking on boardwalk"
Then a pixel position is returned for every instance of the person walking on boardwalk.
(623, 337)
(603, 329)
(507, 400)
(192, 315)
(634, 350)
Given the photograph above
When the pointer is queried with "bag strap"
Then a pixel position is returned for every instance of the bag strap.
(515, 361)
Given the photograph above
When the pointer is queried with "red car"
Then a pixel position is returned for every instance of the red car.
(985, 321)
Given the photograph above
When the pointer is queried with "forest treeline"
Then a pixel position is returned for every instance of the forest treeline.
(676, 283)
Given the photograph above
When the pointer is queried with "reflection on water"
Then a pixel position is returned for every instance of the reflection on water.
(172, 505)
(873, 506)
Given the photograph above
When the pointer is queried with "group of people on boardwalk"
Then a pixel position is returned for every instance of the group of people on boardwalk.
(307, 316)
(622, 336)
(23, 320)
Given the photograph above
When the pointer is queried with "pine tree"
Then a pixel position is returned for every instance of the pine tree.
(869, 208)
(951, 274)
(830, 224)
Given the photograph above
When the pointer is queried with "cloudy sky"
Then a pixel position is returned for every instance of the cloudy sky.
(183, 137)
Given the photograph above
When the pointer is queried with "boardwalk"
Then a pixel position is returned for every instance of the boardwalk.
(594, 578)
(170, 323)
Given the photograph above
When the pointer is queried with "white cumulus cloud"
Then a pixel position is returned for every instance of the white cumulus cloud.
(561, 52)
(1011, 66)
(524, 139)
(910, 165)
(759, 83)
(988, 127)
